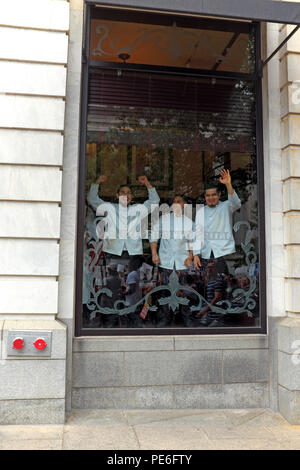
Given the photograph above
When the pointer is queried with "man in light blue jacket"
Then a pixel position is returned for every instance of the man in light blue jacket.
(121, 227)
(175, 232)
(218, 241)
(217, 217)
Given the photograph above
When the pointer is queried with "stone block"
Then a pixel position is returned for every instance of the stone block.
(178, 367)
(68, 226)
(291, 163)
(46, 411)
(277, 228)
(292, 67)
(28, 296)
(32, 112)
(289, 335)
(102, 369)
(29, 257)
(291, 224)
(247, 395)
(30, 183)
(1, 327)
(29, 220)
(76, 4)
(122, 344)
(34, 79)
(289, 371)
(289, 405)
(76, 38)
(276, 195)
(291, 195)
(66, 257)
(274, 125)
(278, 261)
(199, 396)
(289, 69)
(57, 328)
(66, 297)
(289, 99)
(220, 342)
(32, 45)
(276, 296)
(69, 187)
(292, 289)
(31, 147)
(290, 130)
(32, 379)
(292, 263)
(275, 162)
(293, 44)
(123, 398)
(46, 14)
(245, 366)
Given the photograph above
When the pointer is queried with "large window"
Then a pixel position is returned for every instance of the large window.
(170, 228)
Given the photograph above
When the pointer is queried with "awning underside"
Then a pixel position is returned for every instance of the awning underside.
(254, 10)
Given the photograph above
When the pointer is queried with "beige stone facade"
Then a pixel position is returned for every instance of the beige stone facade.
(40, 86)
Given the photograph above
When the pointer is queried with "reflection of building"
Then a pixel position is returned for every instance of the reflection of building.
(40, 122)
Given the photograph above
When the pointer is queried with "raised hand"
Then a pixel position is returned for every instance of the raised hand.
(101, 179)
(143, 179)
(225, 177)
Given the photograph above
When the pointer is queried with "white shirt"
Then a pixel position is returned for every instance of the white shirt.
(122, 223)
(218, 236)
(176, 237)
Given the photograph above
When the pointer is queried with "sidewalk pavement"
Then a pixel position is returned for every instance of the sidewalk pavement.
(157, 430)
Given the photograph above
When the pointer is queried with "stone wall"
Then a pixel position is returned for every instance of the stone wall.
(171, 372)
(33, 71)
(289, 328)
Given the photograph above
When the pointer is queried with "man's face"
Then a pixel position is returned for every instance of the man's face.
(125, 196)
(178, 205)
(212, 197)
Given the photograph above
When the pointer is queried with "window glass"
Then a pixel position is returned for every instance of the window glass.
(173, 42)
(171, 216)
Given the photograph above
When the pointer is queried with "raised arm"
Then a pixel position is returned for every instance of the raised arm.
(93, 198)
(233, 199)
(153, 197)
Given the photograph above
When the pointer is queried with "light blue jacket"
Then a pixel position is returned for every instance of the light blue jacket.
(176, 234)
(122, 224)
(218, 236)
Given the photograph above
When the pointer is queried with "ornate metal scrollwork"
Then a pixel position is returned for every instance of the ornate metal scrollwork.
(242, 300)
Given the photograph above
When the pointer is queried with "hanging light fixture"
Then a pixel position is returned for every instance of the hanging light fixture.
(124, 56)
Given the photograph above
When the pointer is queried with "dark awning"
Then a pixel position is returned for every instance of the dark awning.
(255, 10)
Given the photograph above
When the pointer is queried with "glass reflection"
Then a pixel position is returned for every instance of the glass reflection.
(171, 227)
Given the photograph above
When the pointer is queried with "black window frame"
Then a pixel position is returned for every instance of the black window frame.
(257, 80)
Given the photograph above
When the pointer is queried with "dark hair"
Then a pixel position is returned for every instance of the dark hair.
(183, 196)
(212, 184)
(124, 186)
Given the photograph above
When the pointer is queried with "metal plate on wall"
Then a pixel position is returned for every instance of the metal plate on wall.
(28, 348)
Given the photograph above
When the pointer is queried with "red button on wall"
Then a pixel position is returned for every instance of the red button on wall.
(40, 344)
(18, 343)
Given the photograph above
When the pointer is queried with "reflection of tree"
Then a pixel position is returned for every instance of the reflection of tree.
(243, 178)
